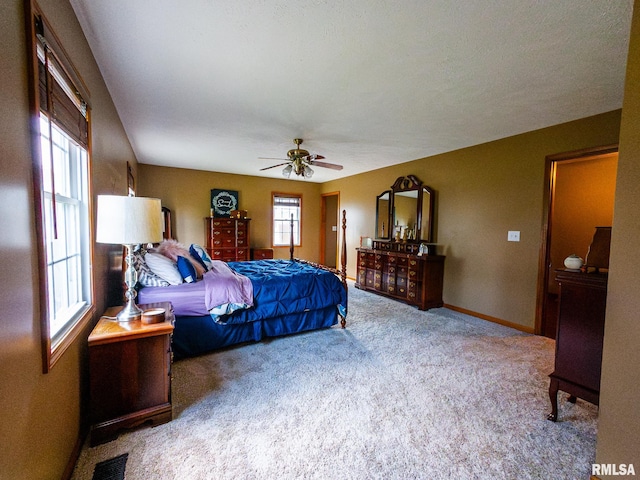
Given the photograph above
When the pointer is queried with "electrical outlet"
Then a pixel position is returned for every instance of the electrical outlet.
(513, 236)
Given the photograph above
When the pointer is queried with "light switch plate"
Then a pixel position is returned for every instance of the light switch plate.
(513, 236)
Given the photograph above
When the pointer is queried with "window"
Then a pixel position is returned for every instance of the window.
(65, 218)
(286, 206)
(62, 197)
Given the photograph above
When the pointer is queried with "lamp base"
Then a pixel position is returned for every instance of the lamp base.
(129, 313)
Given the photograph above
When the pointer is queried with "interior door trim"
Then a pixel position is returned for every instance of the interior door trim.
(323, 225)
(545, 236)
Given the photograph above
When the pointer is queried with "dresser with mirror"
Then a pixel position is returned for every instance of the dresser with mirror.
(401, 262)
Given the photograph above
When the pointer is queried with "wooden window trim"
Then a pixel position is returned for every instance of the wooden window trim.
(285, 194)
(35, 19)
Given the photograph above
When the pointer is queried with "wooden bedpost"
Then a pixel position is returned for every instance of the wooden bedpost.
(342, 273)
(291, 239)
(343, 259)
(343, 254)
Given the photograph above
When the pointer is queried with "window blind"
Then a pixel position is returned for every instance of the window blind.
(59, 97)
(286, 201)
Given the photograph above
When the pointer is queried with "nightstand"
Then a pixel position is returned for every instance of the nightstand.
(261, 253)
(130, 373)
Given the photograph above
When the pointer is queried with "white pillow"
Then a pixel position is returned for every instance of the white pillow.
(163, 267)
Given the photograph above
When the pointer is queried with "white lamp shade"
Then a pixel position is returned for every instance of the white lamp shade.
(128, 220)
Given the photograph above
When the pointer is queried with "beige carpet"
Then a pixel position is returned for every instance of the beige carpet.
(399, 394)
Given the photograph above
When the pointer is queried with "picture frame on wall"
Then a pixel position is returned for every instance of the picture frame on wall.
(223, 202)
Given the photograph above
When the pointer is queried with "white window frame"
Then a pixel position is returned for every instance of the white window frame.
(67, 232)
(281, 219)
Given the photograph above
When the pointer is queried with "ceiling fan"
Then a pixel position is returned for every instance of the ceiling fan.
(300, 162)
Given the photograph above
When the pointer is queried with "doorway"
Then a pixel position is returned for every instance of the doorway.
(329, 229)
(579, 195)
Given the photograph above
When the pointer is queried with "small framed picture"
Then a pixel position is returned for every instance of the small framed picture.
(366, 242)
(223, 202)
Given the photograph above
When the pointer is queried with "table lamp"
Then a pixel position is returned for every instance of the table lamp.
(129, 221)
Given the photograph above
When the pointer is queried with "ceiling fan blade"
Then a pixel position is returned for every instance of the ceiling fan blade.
(315, 156)
(274, 166)
(332, 166)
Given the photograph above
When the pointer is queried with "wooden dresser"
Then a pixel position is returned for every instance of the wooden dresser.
(579, 338)
(227, 238)
(130, 373)
(402, 274)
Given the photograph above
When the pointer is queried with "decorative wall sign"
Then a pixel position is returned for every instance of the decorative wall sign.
(223, 202)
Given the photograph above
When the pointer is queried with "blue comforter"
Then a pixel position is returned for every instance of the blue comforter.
(282, 287)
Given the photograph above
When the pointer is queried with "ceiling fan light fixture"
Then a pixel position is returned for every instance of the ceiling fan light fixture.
(308, 172)
(300, 161)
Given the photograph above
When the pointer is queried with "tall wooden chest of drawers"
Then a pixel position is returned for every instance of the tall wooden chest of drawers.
(227, 238)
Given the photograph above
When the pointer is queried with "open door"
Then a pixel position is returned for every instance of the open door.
(579, 196)
(329, 229)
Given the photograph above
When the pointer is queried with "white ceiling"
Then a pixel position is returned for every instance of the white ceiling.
(215, 84)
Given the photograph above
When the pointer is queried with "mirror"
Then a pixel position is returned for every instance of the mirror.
(383, 215)
(405, 215)
(408, 208)
(426, 230)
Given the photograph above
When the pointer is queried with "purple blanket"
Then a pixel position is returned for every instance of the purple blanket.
(226, 290)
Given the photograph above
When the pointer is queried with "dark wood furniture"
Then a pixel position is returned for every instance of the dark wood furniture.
(401, 262)
(402, 274)
(227, 238)
(580, 332)
(261, 253)
(166, 227)
(130, 373)
(406, 211)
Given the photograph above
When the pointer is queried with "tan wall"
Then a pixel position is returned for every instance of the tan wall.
(188, 193)
(41, 413)
(482, 192)
(619, 422)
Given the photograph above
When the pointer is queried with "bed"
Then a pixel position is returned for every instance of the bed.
(238, 302)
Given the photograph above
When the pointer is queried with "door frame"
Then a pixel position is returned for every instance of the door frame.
(551, 162)
(323, 225)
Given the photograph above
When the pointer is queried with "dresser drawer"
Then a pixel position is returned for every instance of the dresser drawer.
(221, 242)
(261, 253)
(226, 254)
(223, 233)
(222, 223)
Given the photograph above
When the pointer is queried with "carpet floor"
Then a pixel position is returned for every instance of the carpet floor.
(398, 394)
